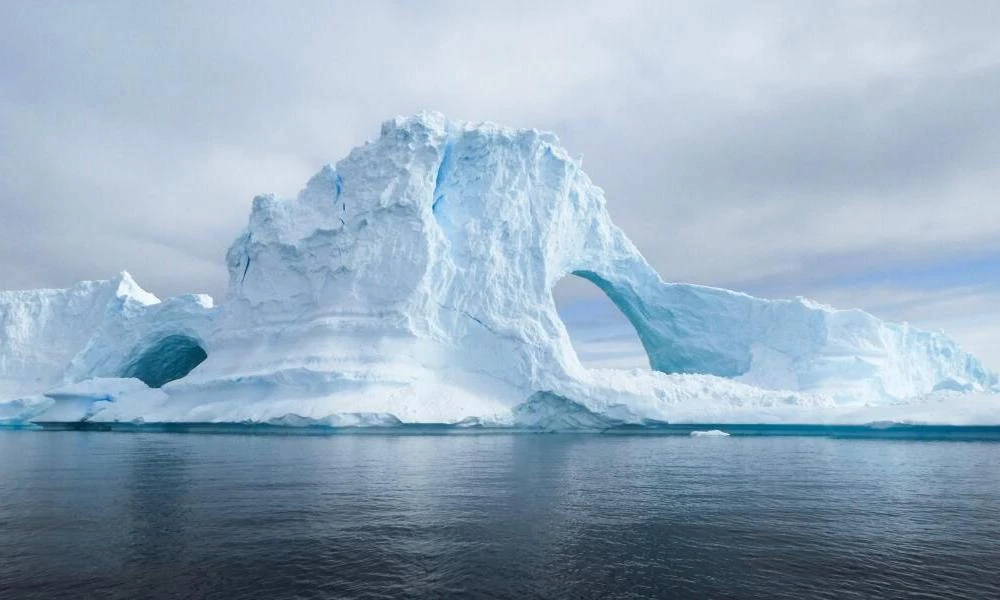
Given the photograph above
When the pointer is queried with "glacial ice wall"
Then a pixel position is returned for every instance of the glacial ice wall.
(414, 279)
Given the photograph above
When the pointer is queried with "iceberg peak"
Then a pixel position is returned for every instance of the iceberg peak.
(127, 288)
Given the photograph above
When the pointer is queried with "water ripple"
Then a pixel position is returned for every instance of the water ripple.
(86, 514)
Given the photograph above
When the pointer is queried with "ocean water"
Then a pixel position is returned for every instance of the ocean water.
(88, 514)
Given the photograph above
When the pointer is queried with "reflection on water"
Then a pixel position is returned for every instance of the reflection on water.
(154, 519)
(86, 514)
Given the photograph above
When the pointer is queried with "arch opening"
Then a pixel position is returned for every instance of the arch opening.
(169, 359)
(602, 334)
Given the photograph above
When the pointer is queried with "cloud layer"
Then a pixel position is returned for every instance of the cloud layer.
(847, 151)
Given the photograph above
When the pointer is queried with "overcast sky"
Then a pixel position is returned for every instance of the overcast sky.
(847, 151)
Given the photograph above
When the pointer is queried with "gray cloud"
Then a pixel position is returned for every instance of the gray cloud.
(783, 146)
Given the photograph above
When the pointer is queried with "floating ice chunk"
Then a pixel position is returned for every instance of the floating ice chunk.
(710, 433)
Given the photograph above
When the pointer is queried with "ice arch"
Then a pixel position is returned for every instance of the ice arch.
(676, 324)
(169, 359)
(600, 334)
(630, 305)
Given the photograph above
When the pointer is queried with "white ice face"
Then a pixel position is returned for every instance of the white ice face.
(413, 281)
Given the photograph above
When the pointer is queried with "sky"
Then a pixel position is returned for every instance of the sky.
(844, 151)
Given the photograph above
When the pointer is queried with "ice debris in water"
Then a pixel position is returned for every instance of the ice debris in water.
(710, 433)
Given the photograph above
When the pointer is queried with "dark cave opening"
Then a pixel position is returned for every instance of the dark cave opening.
(169, 359)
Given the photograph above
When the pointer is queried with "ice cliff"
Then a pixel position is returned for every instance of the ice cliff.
(412, 282)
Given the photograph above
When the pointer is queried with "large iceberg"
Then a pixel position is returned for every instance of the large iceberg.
(412, 282)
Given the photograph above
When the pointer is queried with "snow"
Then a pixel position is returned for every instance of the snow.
(412, 283)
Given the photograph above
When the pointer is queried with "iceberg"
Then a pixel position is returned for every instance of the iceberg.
(710, 433)
(412, 283)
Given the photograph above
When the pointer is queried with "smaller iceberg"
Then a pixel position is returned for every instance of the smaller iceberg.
(711, 433)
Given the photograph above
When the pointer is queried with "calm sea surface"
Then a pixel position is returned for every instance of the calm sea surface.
(162, 515)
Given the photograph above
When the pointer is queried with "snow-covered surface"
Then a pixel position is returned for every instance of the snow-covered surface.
(412, 282)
